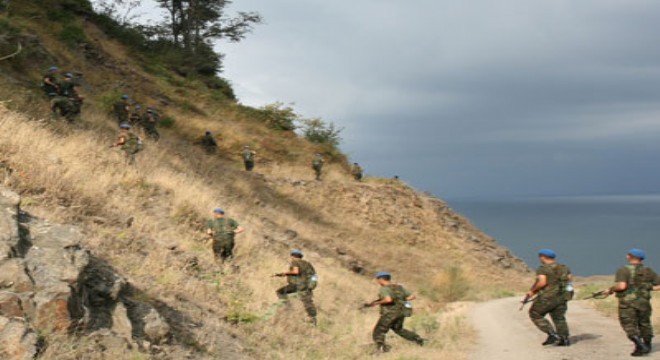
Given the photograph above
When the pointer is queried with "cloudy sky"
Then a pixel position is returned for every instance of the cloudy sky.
(470, 98)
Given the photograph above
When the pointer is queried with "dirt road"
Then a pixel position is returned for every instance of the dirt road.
(504, 333)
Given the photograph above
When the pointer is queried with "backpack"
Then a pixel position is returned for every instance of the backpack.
(308, 275)
(400, 301)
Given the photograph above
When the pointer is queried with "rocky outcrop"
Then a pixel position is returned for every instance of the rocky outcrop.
(49, 283)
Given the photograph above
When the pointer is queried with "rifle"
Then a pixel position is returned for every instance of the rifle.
(366, 305)
(597, 295)
(526, 300)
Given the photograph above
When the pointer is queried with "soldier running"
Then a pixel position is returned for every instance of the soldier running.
(130, 143)
(394, 308)
(222, 232)
(301, 279)
(633, 285)
(554, 288)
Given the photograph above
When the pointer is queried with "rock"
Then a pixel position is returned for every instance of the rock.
(10, 305)
(155, 327)
(13, 276)
(9, 234)
(17, 340)
(290, 234)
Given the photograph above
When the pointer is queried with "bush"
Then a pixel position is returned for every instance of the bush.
(321, 132)
(167, 122)
(277, 116)
(450, 285)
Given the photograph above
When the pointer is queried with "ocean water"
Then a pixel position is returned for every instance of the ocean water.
(590, 234)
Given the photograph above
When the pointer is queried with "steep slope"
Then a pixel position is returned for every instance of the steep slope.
(147, 222)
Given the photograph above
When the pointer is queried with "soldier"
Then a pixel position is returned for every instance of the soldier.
(317, 165)
(49, 82)
(149, 121)
(130, 143)
(121, 109)
(222, 231)
(135, 118)
(633, 285)
(248, 157)
(356, 171)
(394, 308)
(68, 101)
(301, 279)
(554, 288)
(209, 143)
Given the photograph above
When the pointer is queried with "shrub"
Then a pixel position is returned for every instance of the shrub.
(321, 132)
(277, 116)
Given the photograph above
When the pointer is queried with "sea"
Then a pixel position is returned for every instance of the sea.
(590, 234)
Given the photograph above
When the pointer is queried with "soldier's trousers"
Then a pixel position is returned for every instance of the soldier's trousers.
(557, 310)
(306, 296)
(249, 165)
(317, 171)
(635, 319)
(223, 250)
(394, 321)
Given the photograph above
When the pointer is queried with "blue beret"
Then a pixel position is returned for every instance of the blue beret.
(548, 253)
(382, 274)
(218, 210)
(638, 253)
(297, 252)
(124, 126)
(124, 96)
(68, 75)
(52, 68)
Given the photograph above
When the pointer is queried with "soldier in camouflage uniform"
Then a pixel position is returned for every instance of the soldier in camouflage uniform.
(356, 171)
(130, 143)
(121, 109)
(301, 279)
(317, 165)
(554, 288)
(209, 143)
(634, 283)
(222, 230)
(394, 308)
(248, 158)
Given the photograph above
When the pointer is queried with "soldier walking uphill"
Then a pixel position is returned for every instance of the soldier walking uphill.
(394, 308)
(222, 231)
(67, 101)
(50, 84)
(248, 157)
(121, 110)
(209, 143)
(554, 288)
(301, 279)
(149, 121)
(633, 285)
(317, 165)
(356, 171)
(130, 143)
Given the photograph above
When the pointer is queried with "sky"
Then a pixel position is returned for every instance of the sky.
(469, 99)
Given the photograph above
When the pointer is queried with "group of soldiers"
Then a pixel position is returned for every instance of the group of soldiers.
(129, 118)
(302, 279)
(553, 289)
(64, 98)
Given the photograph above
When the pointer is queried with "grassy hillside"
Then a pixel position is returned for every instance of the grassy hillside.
(348, 230)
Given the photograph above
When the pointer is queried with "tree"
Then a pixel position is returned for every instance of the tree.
(193, 24)
(321, 132)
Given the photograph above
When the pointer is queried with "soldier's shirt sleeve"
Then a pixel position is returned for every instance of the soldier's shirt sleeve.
(209, 224)
(233, 224)
(622, 275)
(385, 292)
(542, 270)
(406, 293)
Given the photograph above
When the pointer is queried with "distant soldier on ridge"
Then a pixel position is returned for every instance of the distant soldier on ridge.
(356, 171)
(317, 165)
(554, 288)
(633, 285)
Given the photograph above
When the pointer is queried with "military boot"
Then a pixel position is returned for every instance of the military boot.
(420, 341)
(382, 348)
(647, 342)
(564, 341)
(552, 338)
(640, 347)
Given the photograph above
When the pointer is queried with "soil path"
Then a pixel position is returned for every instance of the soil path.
(505, 333)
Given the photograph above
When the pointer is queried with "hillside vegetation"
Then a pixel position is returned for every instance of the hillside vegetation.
(147, 222)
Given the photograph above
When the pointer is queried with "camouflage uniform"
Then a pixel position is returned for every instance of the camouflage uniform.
(248, 159)
(131, 146)
(223, 237)
(317, 165)
(392, 316)
(300, 284)
(552, 300)
(67, 100)
(149, 120)
(120, 110)
(50, 90)
(356, 171)
(635, 302)
(209, 143)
